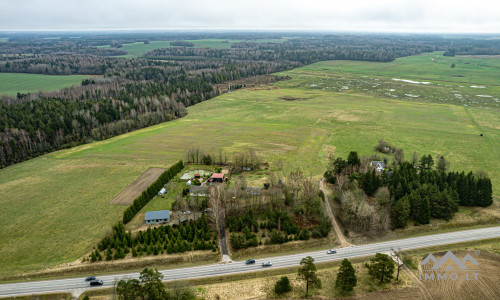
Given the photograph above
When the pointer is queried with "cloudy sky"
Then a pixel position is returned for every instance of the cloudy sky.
(478, 16)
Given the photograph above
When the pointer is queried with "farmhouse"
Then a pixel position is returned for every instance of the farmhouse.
(253, 190)
(198, 191)
(378, 165)
(218, 177)
(155, 217)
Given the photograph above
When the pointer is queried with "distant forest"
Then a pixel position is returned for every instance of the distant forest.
(134, 93)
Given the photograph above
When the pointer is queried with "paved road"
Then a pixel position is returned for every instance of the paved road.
(79, 285)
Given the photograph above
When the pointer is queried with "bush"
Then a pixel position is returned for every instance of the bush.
(282, 286)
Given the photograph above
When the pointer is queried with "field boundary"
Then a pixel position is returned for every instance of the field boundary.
(133, 190)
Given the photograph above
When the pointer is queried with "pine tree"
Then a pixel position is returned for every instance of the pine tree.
(282, 286)
(401, 212)
(381, 267)
(346, 278)
(424, 213)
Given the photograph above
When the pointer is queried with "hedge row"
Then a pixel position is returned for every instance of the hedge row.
(151, 191)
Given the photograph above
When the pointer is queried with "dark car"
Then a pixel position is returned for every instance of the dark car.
(90, 278)
(96, 282)
(184, 221)
(250, 261)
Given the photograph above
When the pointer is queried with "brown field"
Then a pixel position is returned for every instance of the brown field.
(485, 287)
(132, 191)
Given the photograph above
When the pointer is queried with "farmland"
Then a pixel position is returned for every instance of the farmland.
(139, 48)
(132, 191)
(11, 83)
(69, 190)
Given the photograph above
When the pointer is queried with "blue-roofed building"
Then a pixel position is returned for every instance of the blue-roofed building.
(155, 217)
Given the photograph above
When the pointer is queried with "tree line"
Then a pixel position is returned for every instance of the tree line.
(168, 239)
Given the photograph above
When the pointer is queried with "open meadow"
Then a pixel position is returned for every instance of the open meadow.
(61, 200)
(11, 83)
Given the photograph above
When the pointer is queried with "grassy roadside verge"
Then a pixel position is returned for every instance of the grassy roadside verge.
(117, 267)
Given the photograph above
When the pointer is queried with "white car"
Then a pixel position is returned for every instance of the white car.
(267, 264)
(187, 212)
(331, 251)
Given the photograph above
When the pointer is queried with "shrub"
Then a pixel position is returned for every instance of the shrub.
(282, 286)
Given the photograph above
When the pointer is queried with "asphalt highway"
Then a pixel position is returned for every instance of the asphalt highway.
(78, 285)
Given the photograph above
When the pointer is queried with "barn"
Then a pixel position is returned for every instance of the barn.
(155, 217)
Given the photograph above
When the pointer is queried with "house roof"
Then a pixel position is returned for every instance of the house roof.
(377, 163)
(157, 215)
(218, 175)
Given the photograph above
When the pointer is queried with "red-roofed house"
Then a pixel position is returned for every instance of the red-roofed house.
(218, 177)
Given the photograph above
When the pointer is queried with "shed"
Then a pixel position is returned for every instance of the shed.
(155, 217)
(217, 177)
(162, 192)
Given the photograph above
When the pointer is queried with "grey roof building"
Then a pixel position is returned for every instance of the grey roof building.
(155, 217)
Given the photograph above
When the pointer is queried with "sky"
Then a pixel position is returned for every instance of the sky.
(426, 16)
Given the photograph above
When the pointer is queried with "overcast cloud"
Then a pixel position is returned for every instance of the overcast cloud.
(348, 15)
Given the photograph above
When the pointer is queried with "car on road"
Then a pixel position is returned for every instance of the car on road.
(331, 251)
(267, 264)
(250, 261)
(96, 282)
(90, 278)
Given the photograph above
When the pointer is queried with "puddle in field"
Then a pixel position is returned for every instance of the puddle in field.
(411, 81)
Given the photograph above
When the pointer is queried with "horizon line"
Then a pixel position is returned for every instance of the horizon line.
(289, 30)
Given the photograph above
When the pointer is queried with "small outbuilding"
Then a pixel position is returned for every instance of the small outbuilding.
(217, 177)
(157, 217)
(162, 192)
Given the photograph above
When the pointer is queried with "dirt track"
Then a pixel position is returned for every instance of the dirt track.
(341, 238)
(132, 191)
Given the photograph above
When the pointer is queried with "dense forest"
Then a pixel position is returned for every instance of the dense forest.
(128, 94)
(416, 191)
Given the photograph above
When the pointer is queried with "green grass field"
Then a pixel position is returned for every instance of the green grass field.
(55, 207)
(429, 66)
(139, 48)
(11, 83)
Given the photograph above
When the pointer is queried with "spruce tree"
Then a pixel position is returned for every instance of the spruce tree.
(346, 278)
